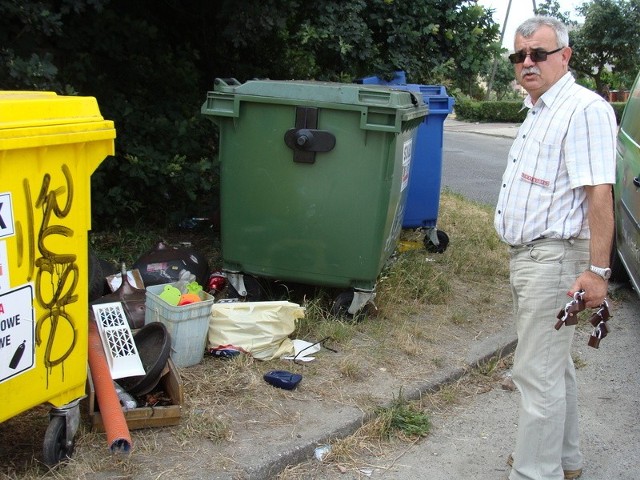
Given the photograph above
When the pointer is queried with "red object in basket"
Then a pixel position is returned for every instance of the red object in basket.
(188, 298)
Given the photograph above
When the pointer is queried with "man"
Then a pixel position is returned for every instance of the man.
(555, 211)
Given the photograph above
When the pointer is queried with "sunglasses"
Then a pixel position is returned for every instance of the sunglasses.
(536, 55)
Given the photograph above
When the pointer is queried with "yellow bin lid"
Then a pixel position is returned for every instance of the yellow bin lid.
(29, 119)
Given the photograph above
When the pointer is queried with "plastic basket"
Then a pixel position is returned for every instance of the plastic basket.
(187, 325)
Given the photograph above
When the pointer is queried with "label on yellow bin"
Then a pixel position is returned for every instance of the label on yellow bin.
(6, 215)
(17, 332)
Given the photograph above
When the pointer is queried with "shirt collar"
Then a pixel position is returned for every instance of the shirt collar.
(550, 96)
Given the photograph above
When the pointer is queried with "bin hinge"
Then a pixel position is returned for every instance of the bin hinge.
(305, 140)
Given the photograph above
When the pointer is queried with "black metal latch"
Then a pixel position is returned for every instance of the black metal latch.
(305, 140)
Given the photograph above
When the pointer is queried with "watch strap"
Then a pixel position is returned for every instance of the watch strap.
(605, 273)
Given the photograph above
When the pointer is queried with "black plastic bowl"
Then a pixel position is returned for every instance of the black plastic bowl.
(154, 346)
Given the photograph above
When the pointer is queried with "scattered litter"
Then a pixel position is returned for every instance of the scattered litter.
(302, 350)
(225, 352)
(217, 282)
(282, 379)
(507, 383)
(126, 400)
(167, 264)
(114, 281)
(171, 295)
(367, 472)
(260, 328)
(407, 245)
(117, 340)
(321, 452)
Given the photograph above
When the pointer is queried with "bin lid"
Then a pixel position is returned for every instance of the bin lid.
(323, 92)
(435, 96)
(28, 109)
(35, 119)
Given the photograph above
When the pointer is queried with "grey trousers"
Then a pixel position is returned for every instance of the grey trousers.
(548, 437)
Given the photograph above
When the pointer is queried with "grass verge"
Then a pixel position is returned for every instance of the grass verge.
(427, 305)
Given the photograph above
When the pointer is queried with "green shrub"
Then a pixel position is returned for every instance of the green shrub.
(467, 109)
(503, 111)
(494, 111)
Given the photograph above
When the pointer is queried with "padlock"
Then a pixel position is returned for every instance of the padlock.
(602, 315)
(572, 313)
(598, 334)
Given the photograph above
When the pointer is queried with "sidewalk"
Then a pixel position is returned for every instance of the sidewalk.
(263, 453)
(506, 130)
(474, 442)
(275, 429)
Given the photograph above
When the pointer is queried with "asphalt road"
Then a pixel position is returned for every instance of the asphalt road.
(472, 164)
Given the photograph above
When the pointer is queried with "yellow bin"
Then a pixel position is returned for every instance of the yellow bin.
(49, 147)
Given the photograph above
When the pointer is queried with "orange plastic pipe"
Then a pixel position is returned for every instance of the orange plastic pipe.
(115, 425)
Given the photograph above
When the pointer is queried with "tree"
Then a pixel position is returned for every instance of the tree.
(339, 41)
(503, 79)
(606, 47)
(26, 29)
(150, 62)
(552, 9)
(607, 41)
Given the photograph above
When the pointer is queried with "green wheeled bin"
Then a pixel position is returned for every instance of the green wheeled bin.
(313, 180)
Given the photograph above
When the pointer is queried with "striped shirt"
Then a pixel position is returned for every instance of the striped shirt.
(566, 141)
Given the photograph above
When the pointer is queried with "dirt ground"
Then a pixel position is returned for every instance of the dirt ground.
(234, 425)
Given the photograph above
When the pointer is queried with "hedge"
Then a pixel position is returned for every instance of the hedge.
(510, 111)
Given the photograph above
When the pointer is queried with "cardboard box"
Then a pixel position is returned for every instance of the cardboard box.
(144, 417)
(133, 276)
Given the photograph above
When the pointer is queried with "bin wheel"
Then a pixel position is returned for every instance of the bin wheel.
(340, 307)
(55, 447)
(443, 243)
(253, 287)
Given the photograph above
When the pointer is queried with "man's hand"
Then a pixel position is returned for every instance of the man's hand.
(595, 288)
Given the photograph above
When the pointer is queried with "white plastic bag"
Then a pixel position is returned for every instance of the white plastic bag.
(261, 329)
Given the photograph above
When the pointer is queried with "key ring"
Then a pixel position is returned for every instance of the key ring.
(599, 322)
(569, 316)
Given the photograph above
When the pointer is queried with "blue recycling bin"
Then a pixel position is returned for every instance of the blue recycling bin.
(423, 196)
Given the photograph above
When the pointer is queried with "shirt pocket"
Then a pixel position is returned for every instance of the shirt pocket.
(541, 165)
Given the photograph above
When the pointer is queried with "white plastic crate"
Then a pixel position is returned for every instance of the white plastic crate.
(187, 325)
(117, 341)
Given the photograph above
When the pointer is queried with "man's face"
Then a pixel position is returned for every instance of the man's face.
(537, 77)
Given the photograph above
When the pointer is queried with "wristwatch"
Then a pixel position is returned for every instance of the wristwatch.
(605, 273)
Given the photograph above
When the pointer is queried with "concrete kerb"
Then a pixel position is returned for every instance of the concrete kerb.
(498, 345)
